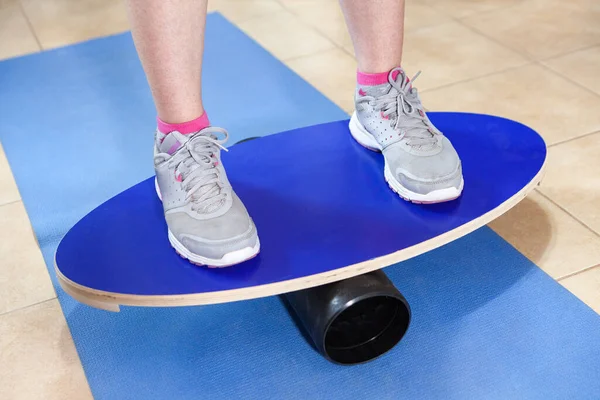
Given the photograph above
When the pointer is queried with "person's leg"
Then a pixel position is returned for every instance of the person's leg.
(377, 31)
(420, 163)
(169, 38)
(207, 222)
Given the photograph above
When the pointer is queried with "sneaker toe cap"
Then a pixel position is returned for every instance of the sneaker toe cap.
(424, 174)
(218, 249)
(419, 186)
(215, 237)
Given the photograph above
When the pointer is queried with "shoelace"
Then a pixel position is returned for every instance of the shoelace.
(196, 163)
(402, 99)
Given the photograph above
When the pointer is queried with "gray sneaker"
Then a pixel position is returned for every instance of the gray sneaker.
(420, 163)
(208, 224)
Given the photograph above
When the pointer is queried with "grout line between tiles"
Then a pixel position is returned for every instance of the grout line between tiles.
(531, 58)
(474, 13)
(341, 47)
(477, 77)
(287, 9)
(426, 27)
(523, 54)
(566, 211)
(347, 52)
(292, 59)
(577, 272)
(30, 25)
(567, 53)
(27, 306)
(567, 78)
(242, 20)
(574, 138)
(9, 203)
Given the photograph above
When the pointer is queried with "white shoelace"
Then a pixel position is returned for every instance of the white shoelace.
(196, 162)
(402, 99)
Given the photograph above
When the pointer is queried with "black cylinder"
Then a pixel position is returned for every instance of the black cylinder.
(354, 320)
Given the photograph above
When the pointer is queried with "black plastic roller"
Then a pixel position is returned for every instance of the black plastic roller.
(354, 320)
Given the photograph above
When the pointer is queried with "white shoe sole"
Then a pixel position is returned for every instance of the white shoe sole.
(229, 259)
(365, 139)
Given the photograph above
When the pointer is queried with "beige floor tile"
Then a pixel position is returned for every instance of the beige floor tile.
(24, 279)
(539, 98)
(549, 237)
(324, 16)
(582, 67)
(16, 38)
(62, 22)
(463, 8)
(285, 36)
(586, 286)
(332, 72)
(327, 18)
(38, 359)
(8, 187)
(419, 15)
(348, 46)
(573, 180)
(543, 28)
(450, 53)
(242, 10)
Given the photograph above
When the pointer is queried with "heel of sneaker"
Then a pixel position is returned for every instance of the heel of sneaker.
(360, 134)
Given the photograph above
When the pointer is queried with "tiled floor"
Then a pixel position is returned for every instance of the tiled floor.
(536, 61)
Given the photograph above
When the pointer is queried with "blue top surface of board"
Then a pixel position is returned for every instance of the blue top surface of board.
(319, 202)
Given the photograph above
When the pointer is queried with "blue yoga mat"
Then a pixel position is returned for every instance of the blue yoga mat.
(76, 125)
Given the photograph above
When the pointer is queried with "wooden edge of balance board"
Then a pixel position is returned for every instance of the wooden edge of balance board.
(111, 301)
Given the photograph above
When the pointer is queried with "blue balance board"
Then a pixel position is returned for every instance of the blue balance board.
(321, 206)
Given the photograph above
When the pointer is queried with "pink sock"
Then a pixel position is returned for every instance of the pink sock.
(378, 78)
(188, 127)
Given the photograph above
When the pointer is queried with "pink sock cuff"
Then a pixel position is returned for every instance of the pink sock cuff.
(192, 126)
(378, 78)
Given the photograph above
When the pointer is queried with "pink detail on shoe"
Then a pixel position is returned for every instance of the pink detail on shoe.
(174, 148)
(178, 176)
(384, 117)
(362, 92)
(186, 128)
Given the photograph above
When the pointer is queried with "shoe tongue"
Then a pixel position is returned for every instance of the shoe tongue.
(172, 142)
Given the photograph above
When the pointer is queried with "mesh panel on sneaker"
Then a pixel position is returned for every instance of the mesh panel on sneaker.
(394, 108)
(195, 159)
